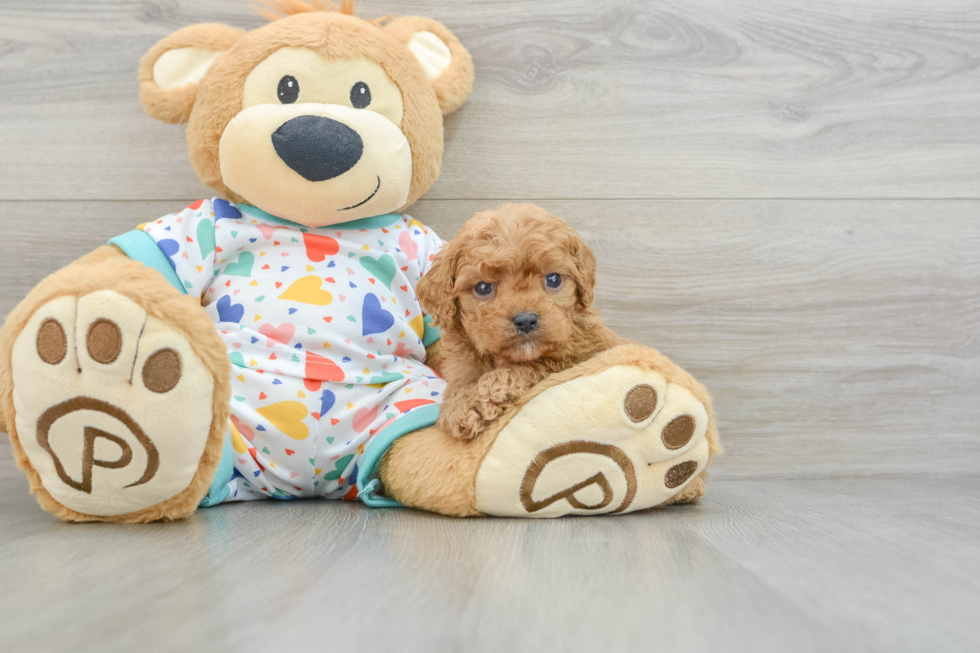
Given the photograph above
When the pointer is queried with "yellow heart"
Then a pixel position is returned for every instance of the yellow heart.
(418, 326)
(241, 378)
(252, 363)
(199, 268)
(236, 441)
(307, 291)
(301, 394)
(309, 268)
(349, 405)
(254, 283)
(287, 417)
(258, 317)
(261, 254)
(408, 390)
(401, 335)
(365, 247)
(316, 472)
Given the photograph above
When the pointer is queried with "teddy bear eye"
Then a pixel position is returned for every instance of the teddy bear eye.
(360, 95)
(483, 288)
(288, 89)
(553, 280)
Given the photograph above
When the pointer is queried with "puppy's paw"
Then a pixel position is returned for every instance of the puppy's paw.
(464, 423)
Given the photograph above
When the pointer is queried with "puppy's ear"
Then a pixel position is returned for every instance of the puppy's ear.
(585, 267)
(436, 289)
(170, 71)
(445, 61)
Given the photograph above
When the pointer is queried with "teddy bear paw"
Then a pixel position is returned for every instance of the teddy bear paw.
(618, 441)
(113, 407)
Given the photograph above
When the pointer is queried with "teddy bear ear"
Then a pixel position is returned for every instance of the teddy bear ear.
(170, 71)
(445, 61)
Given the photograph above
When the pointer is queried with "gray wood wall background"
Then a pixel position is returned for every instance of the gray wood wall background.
(783, 196)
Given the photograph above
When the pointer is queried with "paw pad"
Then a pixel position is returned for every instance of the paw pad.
(51, 342)
(640, 402)
(677, 474)
(161, 373)
(104, 341)
(678, 432)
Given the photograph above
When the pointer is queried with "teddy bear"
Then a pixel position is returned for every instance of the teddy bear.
(268, 343)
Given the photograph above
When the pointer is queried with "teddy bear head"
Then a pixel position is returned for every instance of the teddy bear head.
(318, 117)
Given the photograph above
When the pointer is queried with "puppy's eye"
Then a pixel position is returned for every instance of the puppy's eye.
(553, 280)
(483, 288)
(288, 89)
(360, 95)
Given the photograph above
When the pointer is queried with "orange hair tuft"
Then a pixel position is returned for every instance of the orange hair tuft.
(293, 7)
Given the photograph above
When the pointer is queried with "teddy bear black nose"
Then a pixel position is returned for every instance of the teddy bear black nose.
(526, 322)
(316, 147)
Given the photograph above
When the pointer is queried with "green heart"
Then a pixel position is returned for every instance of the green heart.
(383, 268)
(330, 440)
(341, 465)
(260, 298)
(205, 237)
(242, 267)
(237, 358)
(386, 377)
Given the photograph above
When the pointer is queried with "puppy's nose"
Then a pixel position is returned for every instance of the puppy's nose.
(526, 322)
(316, 147)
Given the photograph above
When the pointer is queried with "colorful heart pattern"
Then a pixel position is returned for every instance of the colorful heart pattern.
(323, 331)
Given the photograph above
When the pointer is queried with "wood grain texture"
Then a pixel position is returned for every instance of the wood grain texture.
(573, 98)
(837, 337)
(850, 564)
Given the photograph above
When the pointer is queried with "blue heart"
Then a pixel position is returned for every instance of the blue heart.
(352, 284)
(298, 345)
(259, 428)
(293, 310)
(326, 402)
(228, 312)
(374, 319)
(254, 340)
(345, 359)
(169, 247)
(284, 268)
(331, 264)
(278, 382)
(252, 240)
(225, 210)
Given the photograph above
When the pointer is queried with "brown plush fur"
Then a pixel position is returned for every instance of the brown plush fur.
(430, 470)
(489, 364)
(210, 105)
(108, 269)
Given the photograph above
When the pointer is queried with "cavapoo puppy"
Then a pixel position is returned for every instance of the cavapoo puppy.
(512, 294)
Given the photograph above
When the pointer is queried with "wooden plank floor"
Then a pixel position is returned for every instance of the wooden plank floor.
(783, 196)
(760, 565)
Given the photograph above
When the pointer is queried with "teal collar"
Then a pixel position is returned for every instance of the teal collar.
(373, 222)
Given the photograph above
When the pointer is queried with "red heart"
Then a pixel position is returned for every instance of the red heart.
(196, 205)
(289, 452)
(330, 279)
(263, 396)
(322, 368)
(265, 267)
(319, 247)
(334, 421)
(278, 285)
(328, 319)
(315, 416)
(404, 288)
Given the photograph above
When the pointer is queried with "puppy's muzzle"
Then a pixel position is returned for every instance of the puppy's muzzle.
(317, 147)
(526, 322)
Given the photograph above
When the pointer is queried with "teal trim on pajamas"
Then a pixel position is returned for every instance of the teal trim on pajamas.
(419, 418)
(140, 246)
(374, 222)
(226, 470)
(430, 333)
